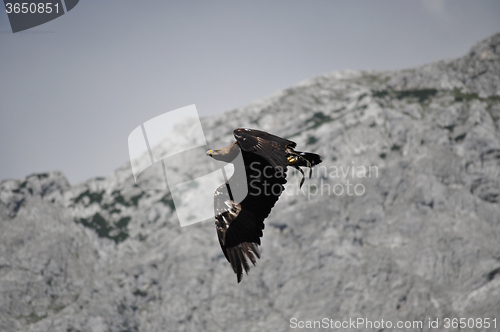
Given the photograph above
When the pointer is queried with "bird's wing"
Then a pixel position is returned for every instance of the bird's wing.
(268, 146)
(239, 226)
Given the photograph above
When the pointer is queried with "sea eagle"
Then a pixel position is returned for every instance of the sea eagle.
(265, 157)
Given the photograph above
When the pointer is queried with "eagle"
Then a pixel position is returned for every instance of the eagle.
(265, 158)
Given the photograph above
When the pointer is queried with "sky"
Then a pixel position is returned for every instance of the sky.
(72, 89)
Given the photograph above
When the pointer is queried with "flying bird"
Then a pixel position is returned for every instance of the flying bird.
(266, 158)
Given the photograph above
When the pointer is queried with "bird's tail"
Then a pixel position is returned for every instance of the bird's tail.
(304, 159)
(307, 159)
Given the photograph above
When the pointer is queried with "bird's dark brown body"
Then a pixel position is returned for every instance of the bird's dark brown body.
(240, 224)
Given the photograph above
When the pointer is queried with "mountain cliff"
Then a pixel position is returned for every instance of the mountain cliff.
(402, 223)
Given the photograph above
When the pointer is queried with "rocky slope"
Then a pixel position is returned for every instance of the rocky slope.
(413, 236)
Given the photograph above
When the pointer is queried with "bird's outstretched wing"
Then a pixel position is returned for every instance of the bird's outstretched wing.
(272, 148)
(239, 226)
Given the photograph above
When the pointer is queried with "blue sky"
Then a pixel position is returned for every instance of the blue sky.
(71, 90)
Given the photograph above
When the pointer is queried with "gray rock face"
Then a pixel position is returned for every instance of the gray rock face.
(401, 222)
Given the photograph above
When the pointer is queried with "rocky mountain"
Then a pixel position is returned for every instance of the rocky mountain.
(401, 224)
